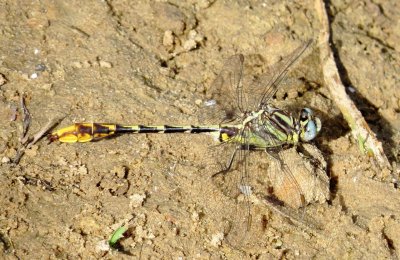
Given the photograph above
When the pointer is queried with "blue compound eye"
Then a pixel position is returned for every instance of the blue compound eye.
(310, 131)
(306, 114)
(310, 125)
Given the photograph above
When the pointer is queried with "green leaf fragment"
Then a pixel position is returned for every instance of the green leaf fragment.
(117, 235)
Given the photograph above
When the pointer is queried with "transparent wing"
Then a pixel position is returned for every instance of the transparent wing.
(298, 180)
(235, 184)
(284, 185)
(228, 97)
(291, 181)
(315, 181)
(262, 89)
(224, 97)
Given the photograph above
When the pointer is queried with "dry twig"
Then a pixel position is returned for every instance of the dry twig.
(359, 127)
(26, 141)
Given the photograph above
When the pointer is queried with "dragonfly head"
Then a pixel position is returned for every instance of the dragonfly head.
(309, 125)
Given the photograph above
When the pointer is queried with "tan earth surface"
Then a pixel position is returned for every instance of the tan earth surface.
(151, 62)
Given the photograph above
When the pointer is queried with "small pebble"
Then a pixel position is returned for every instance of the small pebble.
(198, 102)
(351, 89)
(137, 200)
(195, 216)
(192, 34)
(5, 159)
(47, 86)
(203, 4)
(278, 243)
(86, 64)
(216, 239)
(3, 80)
(190, 45)
(82, 170)
(33, 76)
(105, 64)
(77, 64)
(103, 245)
(168, 38)
(40, 67)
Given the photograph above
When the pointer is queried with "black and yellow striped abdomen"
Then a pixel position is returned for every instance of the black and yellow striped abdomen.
(86, 132)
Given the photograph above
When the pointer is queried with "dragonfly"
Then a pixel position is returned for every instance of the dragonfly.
(241, 117)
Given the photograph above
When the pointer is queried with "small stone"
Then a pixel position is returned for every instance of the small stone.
(137, 200)
(168, 39)
(47, 86)
(3, 80)
(190, 45)
(196, 37)
(86, 64)
(120, 171)
(105, 64)
(62, 161)
(40, 67)
(151, 236)
(77, 64)
(33, 75)
(198, 102)
(203, 4)
(199, 38)
(216, 239)
(5, 159)
(278, 243)
(82, 170)
(195, 216)
(103, 245)
(292, 94)
(192, 34)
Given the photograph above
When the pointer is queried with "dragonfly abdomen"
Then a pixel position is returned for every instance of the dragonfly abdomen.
(86, 132)
(166, 129)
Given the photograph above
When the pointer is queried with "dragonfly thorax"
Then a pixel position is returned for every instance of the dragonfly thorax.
(252, 116)
(274, 127)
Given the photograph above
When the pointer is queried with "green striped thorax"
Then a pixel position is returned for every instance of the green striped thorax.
(286, 129)
(273, 127)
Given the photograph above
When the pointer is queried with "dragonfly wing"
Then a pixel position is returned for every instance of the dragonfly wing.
(235, 183)
(283, 183)
(316, 181)
(223, 102)
(297, 180)
(264, 87)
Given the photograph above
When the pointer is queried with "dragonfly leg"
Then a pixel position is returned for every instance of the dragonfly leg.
(314, 161)
(274, 153)
(228, 166)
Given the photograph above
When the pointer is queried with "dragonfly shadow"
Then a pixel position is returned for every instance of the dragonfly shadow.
(110, 137)
(332, 129)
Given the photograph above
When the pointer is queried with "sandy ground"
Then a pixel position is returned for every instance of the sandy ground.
(150, 62)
